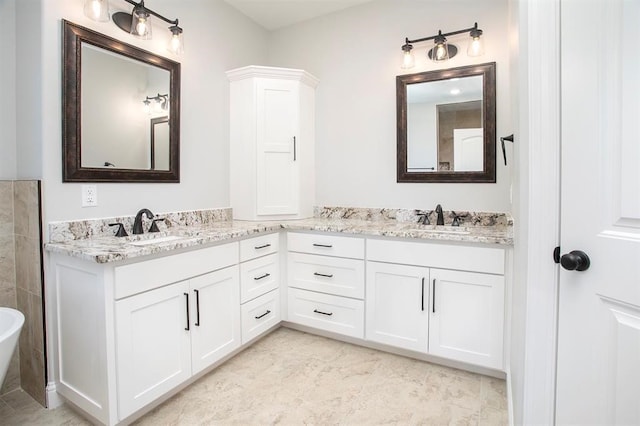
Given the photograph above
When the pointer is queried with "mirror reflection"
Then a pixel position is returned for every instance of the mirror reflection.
(121, 111)
(120, 98)
(444, 125)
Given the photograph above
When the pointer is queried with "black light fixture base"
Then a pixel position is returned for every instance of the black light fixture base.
(452, 49)
(123, 21)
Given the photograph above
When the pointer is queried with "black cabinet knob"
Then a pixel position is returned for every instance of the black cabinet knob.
(575, 261)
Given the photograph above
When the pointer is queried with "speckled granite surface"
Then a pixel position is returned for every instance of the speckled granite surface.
(94, 242)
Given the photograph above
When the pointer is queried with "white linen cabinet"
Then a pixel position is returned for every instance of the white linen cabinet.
(272, 171)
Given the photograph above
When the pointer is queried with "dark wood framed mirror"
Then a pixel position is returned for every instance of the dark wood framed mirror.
(114, 97)
(446, 125)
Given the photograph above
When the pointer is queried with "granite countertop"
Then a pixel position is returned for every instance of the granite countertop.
(105, 249)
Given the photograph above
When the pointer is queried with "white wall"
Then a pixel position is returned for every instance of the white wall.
(7, 84)
(217, 38)
(356, 55)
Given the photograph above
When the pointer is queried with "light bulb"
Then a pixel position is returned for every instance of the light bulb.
(176, 42)
(141, 27)
(408, 60)
(441, 52)
(476, 47)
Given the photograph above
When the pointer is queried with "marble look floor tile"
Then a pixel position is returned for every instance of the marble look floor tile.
(295, 378)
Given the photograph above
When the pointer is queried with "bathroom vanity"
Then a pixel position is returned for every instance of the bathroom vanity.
(139, 318)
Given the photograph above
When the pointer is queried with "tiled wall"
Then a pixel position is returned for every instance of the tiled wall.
(8, 289)
(23, 290)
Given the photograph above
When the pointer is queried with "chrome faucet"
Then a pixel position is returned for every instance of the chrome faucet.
(439, 220)
(137, 223)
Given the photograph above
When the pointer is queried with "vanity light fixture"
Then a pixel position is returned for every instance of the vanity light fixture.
(442, 50)
(137, 23)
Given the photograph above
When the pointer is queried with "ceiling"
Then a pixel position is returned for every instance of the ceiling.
(275, 14)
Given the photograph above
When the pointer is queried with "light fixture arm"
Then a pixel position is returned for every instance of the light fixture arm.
(440, 34)
(156, 14)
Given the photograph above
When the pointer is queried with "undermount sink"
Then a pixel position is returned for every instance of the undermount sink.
(156, 240)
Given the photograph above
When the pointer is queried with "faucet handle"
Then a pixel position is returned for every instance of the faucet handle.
(120, 232)
(457, 219)
(423, 217)
(154, 225)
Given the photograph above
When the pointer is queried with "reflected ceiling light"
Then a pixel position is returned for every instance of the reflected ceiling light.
(455, 91)
(442, 50)
(137, 23)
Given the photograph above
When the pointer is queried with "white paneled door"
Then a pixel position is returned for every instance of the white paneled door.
(598, 376)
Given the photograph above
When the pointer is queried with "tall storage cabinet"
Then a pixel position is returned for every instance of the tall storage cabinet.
(272, 170)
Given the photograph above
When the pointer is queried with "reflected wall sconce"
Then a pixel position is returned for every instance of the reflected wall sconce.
(441, 50)
(137, 22)
(158, 103)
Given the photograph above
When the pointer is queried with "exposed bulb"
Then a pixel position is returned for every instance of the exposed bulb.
(141, 27)
(176, 42)
(441, 52)
(476, 47)
(408, 61)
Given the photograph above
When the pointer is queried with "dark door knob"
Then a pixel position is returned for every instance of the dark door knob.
(575, 261)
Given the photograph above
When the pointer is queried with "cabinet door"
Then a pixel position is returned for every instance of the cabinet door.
(467, 316)
(152, 345)
(277, 150)
(215, 316)
(397, 305)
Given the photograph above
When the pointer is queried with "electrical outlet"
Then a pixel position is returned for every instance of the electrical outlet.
(89, 195)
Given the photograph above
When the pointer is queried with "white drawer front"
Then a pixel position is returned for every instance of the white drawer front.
(259, 246)
(260, 314)
(332, 313)
(329, 245)
(341, 277)
(458, 257)
(147, 275)
(259, 276)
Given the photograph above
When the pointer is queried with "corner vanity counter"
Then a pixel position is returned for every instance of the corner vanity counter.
(137, 318)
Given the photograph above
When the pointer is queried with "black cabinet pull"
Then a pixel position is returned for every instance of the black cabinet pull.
(433, 305)
(261, 247)
(422, 296)
(197, 292)
(187, 299)
(294, 149)
(318, 274)
(323, 313)
(261, 277)
(322, 245)
(263, 315)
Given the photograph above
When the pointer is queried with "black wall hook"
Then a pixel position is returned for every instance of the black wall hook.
(504, 152)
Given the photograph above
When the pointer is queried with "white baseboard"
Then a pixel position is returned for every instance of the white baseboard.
(53, 399)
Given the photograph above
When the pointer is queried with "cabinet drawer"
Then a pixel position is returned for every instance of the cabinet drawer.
(341, 277)
(259, 276)
(260, 314)
(329, 245)
(142, 276)
(457, 257)
(259, 246)
(332, 313)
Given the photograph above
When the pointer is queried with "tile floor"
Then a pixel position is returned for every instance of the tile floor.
(290, 378)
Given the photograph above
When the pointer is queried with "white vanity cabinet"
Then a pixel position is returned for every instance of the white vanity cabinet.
(441, 299)
(398, 305)
(126, 334)
(166, 335)
(272, 143)
(325, 275)
(259, 285)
